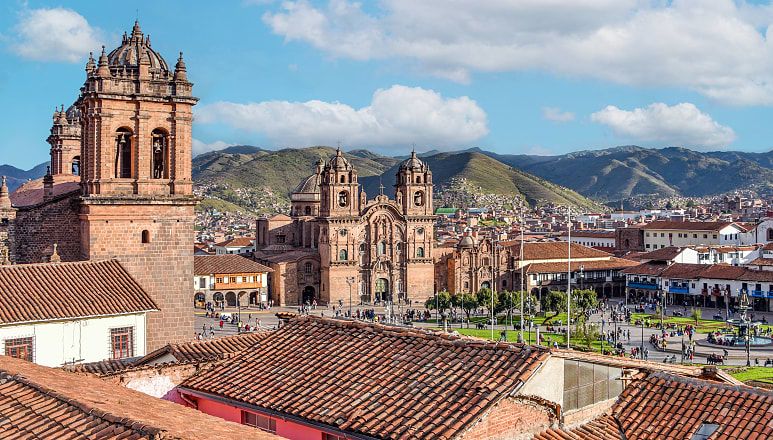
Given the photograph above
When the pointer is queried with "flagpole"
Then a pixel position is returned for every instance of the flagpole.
(522, 269)
(569, 278)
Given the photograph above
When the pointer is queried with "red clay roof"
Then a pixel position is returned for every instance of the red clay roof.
(205, 350)
(31, 193)
(553, 250)
(650, 269)
(684, 271)
(686, 226)
(372, 379)
(666, 406)
(225, 264)
(662, 254)
(612, 263)
(237, 242)
(45, 403)
(37, 292)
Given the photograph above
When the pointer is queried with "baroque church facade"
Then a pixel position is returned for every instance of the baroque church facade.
(336, 244)
(119, 186)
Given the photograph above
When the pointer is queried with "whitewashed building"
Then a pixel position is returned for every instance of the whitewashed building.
(63, 313)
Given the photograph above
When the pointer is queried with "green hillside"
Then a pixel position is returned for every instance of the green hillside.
(491, 176)
(623, 172)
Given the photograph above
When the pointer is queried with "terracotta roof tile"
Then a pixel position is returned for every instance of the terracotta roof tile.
(662, 254)
(228, 263)
(237, 242)
(612, 263)
(45, 403)
(550, 250)
(650, 269)
(377, 380)
(31, 193)
(666, 406)
(36, 292)
(205, 350)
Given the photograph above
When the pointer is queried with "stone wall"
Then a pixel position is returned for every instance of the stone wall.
(163, 266)
(511, 419)
(629, 239)
(38, 227)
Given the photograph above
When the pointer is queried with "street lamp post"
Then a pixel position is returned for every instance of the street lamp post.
(350, 281)
(641, 353)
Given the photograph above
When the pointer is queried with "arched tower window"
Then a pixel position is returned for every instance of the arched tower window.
(145, 236)
(418, 198)
(76, 166)
(123, 155)
(343, 179)
(381, 248)
(343, 198)
(307, 268)
(307, 210)
(159, 153)
(343, 255)
(418, 179)
(770, 234)
(419, 252)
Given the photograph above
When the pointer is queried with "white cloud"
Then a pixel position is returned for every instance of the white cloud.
(200, 147)
(556, 115)
(56, 34)
(682, 125)
(396, 116)
(719, 48)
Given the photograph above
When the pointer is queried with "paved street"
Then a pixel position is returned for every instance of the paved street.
(266, 319)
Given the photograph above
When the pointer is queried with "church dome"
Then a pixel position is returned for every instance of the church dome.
(412, 163)
(309, 185)
(339, 162)
(467, 242)
(135, 48)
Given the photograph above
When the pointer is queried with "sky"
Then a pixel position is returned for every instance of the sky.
(510, 76)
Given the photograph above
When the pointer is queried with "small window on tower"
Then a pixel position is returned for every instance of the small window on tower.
(146, 236)
(418, 198)
(159, 154)
(343, 199)
(418, 179)
(76, 166)
(343, 179)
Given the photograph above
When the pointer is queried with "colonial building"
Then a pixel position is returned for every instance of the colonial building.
(229, 280)
(63, 313)
(336, 242)
(478, 263)
(128, 139)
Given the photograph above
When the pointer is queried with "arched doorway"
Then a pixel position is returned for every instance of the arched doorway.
(253, 298)
(607, 290)
(199, 300)
(230, 299)
(382, 289)
(308, 295)
(218, 298)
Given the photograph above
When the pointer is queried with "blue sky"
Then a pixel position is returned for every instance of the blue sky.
(533, 76)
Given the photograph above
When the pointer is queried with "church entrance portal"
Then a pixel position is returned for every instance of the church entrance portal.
(308, 295)
(382, 289)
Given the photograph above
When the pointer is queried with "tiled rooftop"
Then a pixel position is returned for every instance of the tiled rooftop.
(205, 350)
(612, 263)
(36, 292)
(552, 250)
(666, 406)
(225, 264)
(372, 379)
(45, 403)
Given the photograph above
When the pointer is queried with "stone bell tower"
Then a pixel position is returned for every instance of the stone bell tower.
(413, 189)
(65, 141)
(137, 203)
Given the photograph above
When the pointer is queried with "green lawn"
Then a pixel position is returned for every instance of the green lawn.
(548, 338)
(761, 374)
(704, 325)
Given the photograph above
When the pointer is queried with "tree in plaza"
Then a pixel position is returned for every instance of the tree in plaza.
(468, 302)
(508, 302)
(554, 301)
(582, 302)
(441, 301)
(696, 315)
(487, 300)
(588, 333)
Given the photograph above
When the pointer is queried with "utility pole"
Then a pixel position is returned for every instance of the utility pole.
(520, 262)
(350, 281)
(569, 278)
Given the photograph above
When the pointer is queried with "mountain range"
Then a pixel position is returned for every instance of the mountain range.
(267, 176)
